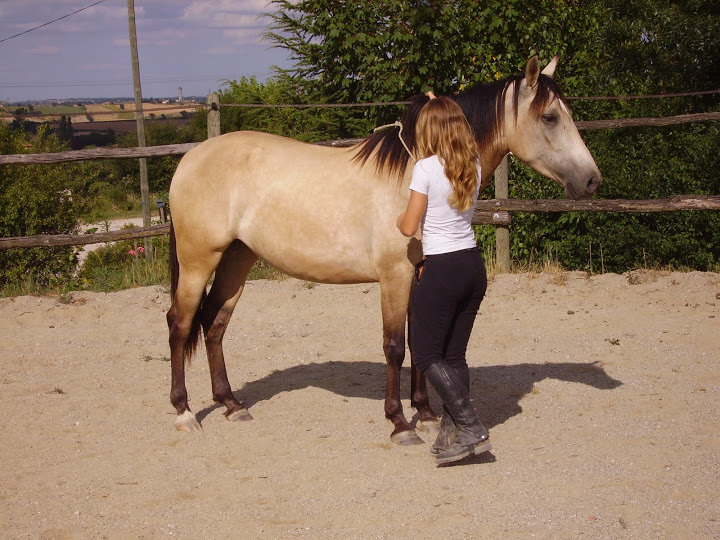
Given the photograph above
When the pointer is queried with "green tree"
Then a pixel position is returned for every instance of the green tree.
(387, 51)
(37, 199)
(65, 129)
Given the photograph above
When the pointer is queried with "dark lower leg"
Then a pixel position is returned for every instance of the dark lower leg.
(215, 323)
(178, 337)
(394, 349)
(419, 398)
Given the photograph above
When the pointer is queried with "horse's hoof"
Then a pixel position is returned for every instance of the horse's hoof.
(431, 427)
(406, 438)
(239, 415)
(187, 422)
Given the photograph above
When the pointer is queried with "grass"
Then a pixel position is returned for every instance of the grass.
(67, 110)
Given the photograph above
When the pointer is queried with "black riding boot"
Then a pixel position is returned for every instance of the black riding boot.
(448, 430)
(471, 436)
(446, 435)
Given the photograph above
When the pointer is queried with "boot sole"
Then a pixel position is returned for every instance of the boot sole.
(479, 448)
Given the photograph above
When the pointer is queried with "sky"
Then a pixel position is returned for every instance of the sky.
(193, 44)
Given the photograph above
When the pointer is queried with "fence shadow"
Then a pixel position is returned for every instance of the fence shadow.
(496, 390)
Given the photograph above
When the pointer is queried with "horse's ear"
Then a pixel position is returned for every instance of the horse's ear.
(550, 68)
(532, 72)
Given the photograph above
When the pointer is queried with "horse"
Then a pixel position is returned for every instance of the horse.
(327, 215)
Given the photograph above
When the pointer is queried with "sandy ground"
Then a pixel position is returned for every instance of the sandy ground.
(602, 396)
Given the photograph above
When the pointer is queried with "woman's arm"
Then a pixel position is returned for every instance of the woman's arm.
(409, 221)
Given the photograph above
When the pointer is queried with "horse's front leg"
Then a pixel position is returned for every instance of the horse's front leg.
(394, 299)
(428, 422)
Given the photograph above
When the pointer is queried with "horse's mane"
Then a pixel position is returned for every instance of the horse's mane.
(484, 108)
(391, 156)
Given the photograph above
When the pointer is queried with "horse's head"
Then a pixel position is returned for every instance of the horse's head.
(540, 131)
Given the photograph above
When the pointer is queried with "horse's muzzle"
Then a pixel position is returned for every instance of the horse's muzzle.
(583, 189)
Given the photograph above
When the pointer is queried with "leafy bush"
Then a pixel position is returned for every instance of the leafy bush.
(37, 200)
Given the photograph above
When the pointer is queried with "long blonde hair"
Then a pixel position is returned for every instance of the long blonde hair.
(442, 130)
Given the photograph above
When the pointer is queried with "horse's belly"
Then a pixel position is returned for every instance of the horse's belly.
(312, 250)
(328, 265)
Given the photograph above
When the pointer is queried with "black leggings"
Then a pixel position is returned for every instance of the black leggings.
(445, 298)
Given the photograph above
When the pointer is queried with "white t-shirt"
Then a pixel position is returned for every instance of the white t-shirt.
(444, 228)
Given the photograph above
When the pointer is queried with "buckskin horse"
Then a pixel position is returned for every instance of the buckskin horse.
(327, 215)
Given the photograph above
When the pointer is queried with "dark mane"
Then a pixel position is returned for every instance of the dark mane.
(484, 108)
(391, 155)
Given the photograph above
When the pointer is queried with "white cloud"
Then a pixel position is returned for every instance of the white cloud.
(119, 68)
(247, 36)
(162, 38)
(224, 13)
(43, 49)
(222, 50)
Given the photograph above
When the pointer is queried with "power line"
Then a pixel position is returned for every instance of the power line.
(58, 84)
(54, 20)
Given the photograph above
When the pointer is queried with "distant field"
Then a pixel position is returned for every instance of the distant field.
(67, 110)
(105, 112)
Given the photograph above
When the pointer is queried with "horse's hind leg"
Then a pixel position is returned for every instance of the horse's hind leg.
(215, 314)
(181, 319)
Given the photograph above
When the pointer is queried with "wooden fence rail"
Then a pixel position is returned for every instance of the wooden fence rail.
(487, 212)
(56, 240)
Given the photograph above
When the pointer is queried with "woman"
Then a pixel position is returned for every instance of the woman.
(451, 281)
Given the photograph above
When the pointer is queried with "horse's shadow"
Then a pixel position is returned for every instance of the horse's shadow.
(495, 390)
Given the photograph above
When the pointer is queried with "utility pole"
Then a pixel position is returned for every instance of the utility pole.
(144, 189)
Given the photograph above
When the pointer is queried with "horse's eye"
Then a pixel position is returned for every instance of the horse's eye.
(549, 118)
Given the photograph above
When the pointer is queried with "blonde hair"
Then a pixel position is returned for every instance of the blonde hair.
(442, 130)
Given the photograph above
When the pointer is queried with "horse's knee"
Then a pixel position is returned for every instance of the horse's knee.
(394, 348)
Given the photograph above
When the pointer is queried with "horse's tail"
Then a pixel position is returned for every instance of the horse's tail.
(196, 327)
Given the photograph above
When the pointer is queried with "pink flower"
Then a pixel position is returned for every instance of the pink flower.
(141, 249)
(132, 252)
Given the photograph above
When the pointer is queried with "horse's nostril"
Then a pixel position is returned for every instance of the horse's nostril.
(592, 184)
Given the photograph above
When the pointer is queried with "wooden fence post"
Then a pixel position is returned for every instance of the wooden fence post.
(502, 233)
(213, 117)
(144, 188)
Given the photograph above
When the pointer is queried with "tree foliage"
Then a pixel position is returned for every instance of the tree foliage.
(37, 199)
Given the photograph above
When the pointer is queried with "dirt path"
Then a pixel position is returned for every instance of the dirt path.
(602, 396)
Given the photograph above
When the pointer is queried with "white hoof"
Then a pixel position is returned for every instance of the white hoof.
(241, 415)
(406, 438)
(187, 422)
(431, 427)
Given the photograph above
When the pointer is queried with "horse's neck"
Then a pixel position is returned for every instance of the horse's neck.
(489, 161)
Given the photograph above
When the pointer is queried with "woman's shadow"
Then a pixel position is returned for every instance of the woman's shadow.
(496, 390)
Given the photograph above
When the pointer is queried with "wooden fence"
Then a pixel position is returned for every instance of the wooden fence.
(487, 212)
